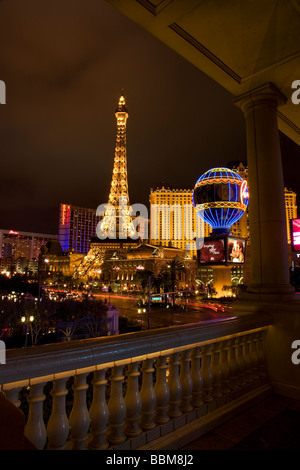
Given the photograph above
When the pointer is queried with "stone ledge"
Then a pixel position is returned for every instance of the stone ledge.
(192, 430)
(201, 418)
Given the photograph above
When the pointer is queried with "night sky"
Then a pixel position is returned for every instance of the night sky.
(64, 63)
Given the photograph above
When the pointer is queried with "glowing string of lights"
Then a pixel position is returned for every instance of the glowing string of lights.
(222, 213)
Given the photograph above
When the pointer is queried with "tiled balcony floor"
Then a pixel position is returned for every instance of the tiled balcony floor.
(272, 424)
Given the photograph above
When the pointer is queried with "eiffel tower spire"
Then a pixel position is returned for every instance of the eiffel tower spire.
(117, 219)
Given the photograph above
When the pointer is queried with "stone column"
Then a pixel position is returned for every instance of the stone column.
(269, 287)
(268, 235)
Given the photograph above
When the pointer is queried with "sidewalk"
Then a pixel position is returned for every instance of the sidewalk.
(273, 424)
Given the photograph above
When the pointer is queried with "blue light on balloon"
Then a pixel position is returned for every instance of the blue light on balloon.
(221, 198)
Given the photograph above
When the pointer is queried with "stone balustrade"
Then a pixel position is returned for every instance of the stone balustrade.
(137, 390)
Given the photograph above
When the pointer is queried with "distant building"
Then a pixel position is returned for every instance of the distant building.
(53, 259)
(77, 225)
(122, 269)
(91, 263)
(77, 228)
(178, 226)
(19, 251)
(173, 219)
(27, 245)
(169, 224)
(172, 223)
(291, 209)
(241, 227)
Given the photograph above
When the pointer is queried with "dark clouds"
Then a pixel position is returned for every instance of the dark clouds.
(64, 63)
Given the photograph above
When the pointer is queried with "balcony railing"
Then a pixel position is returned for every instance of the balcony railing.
(136, 391)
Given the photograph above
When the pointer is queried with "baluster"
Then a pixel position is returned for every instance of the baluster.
(133, 401)
(240, 361)
(206, 374)
(196, 376)
(99, 412)
(35, 429)
(79, 417)
(186, 381)
(58, 424)
(147, 395)
(161, 391)
(116, 407)
(174, 386)
(247, 359)
(233, 365)
(261, 353)
(13, 395)
(216, 371)
(225, 369)
(253, 356)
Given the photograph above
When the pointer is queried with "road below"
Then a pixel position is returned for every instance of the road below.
(196, 312)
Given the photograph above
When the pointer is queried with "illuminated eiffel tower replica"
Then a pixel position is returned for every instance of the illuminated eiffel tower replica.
(115, 230)
(117, 221)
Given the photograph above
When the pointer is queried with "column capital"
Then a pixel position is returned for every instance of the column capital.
(267, 94)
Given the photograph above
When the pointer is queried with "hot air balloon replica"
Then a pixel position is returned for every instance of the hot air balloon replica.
(220, 198)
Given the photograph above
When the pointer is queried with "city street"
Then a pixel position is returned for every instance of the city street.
(196, 312)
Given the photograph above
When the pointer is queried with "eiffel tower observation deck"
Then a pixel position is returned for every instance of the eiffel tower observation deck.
(117, 222)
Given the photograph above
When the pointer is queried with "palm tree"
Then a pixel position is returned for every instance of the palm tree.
(171, 270)
(142, 276)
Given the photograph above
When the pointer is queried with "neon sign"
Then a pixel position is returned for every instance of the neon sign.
(244, 193)
(65, 216)
(295, 234)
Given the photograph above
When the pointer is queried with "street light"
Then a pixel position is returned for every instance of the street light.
(142, 268)
(41, 268)
(27, 321)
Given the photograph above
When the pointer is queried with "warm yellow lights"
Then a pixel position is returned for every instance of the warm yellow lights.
(117, 215)
(24, 319)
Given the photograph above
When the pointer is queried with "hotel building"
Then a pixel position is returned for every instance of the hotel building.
(173, 219)
(241, 227)
(77, 225)
(168, 223)
(27, 245)
(171, 224)
(20, 250)
(291, 209)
